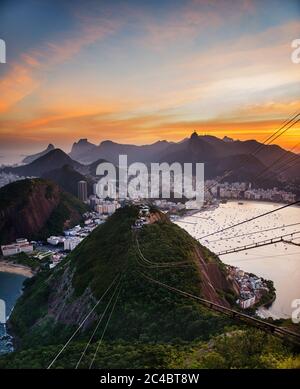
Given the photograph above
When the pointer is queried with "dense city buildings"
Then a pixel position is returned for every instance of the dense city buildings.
(244, 191)
(251, 288)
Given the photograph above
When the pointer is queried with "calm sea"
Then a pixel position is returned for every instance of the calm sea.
(10, 290)
(278, 262)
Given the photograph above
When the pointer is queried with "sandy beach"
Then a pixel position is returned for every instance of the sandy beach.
(9, 267)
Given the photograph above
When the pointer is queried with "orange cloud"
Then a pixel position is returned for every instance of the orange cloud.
(23, 77)
(63, 130)
(228, 89)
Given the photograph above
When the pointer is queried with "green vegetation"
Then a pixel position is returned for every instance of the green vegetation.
(237, 349)
(268, 297)
(148, 313)
(62, 213)
(30, 201)
(250, 349)
(32, 305)
(15, 193)
(150, 326)
(25, 260)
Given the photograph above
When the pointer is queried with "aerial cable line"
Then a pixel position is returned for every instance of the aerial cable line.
(278, 160)
(269, 139)
(249, 220)
(287, 164)
(275, 135)
(291, 125)
(82, 323)
(255, 152)
(176, 266)
(284, 165)
(105, 328)
(289, 167)
(268, 256)
(236, 314)
(266, 241)
(158, 264)
(254, 232)
(97, 326)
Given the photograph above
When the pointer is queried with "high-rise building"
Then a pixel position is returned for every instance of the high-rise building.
(82, 190)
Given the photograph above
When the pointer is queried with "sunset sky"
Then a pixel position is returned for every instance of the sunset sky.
(139, 71)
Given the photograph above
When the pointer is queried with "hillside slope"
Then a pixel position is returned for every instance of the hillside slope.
(209, 149)
(149, 327)
(33, 157)
(36, 208)
(54, 159)
(59, 301)
(67, 178)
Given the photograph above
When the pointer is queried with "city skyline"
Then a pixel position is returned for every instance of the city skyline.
(136, 73)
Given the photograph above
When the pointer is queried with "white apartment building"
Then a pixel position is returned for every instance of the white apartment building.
(71, 243)
(247, 303)
(53, 240)
(21, 246)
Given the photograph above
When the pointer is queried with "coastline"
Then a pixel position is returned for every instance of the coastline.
(277, 306)
(9, 267)
(212, 207)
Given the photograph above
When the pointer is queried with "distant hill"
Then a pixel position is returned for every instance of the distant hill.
(92, 167)
(54, 159)
(36, 208)
(67, 178)
(218, 155)
(214, 152)
(145, 153)
(83, 151)
(31, 158)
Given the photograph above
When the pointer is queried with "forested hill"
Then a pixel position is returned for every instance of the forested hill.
(35, 209)
(148, 326)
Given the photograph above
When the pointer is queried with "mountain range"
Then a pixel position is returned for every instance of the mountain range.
(213, 151)
(245, 159)
(67, 178)
(52, 160)
(87, 152)
(33, 157)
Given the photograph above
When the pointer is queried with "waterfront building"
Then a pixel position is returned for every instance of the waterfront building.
(20, 246)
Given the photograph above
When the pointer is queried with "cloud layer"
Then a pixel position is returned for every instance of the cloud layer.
(136, 74)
